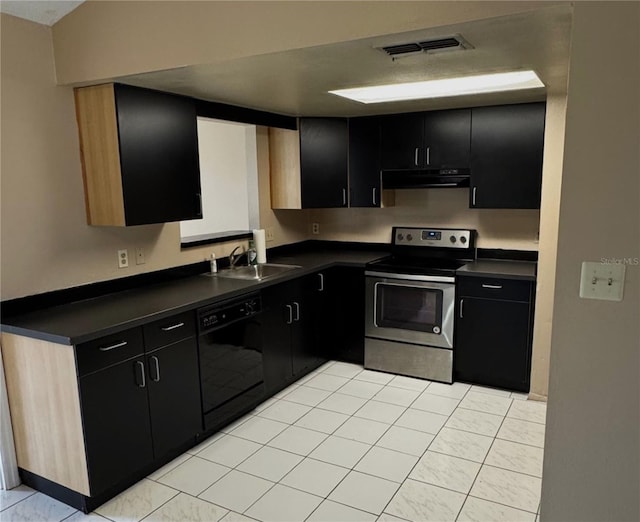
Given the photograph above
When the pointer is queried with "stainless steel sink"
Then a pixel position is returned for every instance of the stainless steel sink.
(256, 272)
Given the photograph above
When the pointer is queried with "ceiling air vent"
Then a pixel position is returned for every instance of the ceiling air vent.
(442, 43)
(393, 50)
(426, 46)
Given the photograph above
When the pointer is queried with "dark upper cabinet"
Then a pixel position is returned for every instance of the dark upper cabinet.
(401, 141)
(139, 152)
(364, 163)
(447, 138)
(493, 336)
(506, 160)
(327, 163)
(426, 140)
(324, 162)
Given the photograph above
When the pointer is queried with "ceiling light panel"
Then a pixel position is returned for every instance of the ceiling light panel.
(461, 86)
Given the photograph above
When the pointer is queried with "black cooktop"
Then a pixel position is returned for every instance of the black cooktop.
(415, 265)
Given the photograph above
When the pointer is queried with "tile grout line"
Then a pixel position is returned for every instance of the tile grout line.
(352, 469)
(485, 460)
(425, 451)
(23, 499)
(482, 464)
(377, 440)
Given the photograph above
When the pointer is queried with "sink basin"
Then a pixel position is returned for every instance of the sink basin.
(256, 272)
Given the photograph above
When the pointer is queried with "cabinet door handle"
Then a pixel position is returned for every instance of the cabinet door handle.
(172, 327)
(321, 289)
(142, 382)
(297, 305)
(156, 364)
(473, 197)
(493, 287)
(415, 156)
(374, 196)
(461, 308)
(428, 155)
(344, 197)
(119, 344)
(290, 309)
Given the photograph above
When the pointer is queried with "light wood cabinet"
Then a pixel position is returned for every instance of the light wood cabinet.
(323, 165)
(284, 166)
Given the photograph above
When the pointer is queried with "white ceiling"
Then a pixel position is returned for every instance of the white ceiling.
(296, 82)
(46, 12)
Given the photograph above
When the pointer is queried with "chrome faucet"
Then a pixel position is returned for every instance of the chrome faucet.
(233, 258)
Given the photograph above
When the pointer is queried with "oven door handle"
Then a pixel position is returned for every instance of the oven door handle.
(411, 277)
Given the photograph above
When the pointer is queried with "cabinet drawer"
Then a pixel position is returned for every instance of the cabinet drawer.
(169, 330)
(494, 288)
(109, 350)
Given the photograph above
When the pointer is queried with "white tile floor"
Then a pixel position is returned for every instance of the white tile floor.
(344, 444)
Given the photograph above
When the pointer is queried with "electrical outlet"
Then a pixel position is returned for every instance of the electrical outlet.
(140, 256)
(315, 228)
(268, 233)
(123, 258)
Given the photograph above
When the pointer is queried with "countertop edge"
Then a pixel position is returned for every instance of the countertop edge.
(192, 305)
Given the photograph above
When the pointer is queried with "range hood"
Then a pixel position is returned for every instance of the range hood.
(443, 178)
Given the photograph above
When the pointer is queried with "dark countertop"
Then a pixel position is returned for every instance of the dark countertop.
(83, 321)
(500, 268)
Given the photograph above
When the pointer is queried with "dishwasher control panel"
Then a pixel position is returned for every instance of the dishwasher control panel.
(219, 315)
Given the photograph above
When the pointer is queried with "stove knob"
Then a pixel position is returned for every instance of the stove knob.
(463, 240)
(400, 237)
(409, 237)
(453, 239)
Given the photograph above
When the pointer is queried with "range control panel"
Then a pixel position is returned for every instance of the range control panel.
(432, 237)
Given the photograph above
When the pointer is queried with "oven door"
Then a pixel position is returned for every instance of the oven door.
(402, 308)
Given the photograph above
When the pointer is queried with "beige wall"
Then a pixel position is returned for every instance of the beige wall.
(95, 41)
(46, 243)
(592, 446)
(547, 248)
(508, 229)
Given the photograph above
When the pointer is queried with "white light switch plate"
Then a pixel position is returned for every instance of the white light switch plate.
(602, 281)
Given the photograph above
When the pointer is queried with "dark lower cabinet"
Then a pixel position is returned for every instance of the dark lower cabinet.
(506, 156)
(140, 402)
(174, 395)
(117, 426)
(494, 332)
(292, 318)
(344, 314)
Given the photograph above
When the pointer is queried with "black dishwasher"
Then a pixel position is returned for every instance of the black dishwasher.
(231, 365)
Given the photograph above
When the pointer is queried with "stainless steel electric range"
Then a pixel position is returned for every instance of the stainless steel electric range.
(410, 300)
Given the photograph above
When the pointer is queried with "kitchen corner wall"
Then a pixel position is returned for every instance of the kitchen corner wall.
(506, 229)
(45, 241)
(592, 444)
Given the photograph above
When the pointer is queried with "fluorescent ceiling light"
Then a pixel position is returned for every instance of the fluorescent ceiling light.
(510, 81)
